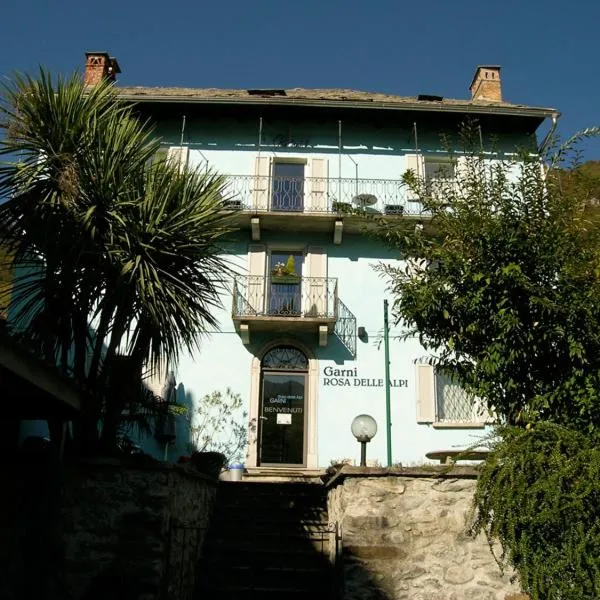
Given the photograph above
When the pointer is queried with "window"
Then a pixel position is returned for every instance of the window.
(287, 193)
(285, 283)
(439, 174)
(454, 405)
(178, 156)
(443, 403)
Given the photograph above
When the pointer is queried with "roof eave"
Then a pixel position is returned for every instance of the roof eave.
(535, 112)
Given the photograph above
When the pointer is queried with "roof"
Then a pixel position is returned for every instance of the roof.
(35, 389)
(327, 97)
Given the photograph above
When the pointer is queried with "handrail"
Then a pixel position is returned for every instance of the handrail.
(320, 195)
(285, 296)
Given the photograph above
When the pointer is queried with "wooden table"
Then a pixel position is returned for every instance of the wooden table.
(447, 457)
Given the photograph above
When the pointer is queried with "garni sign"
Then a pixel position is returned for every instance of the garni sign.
(351, 378)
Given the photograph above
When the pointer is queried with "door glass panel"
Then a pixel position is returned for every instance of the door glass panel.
(288, 186)
(282, 419)
(285, 283)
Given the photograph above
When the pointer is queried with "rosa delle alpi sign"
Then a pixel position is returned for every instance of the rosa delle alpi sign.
(350, 378)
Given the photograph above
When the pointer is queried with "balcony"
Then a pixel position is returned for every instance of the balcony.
(293, 305)
(322, 202)
(320, 195)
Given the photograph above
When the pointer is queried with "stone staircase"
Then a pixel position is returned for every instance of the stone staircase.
(267, 541)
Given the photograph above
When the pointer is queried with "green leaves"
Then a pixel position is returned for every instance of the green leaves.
(516, 306)
(219, 425)
(538, 495)
(514, 316)
(118, 252)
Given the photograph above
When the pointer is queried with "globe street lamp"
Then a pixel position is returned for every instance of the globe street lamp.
(363, 429)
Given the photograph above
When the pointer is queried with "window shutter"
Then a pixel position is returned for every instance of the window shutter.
(425, 394)
(178, 156)
(416, 164)
(260, 189)
(257, 257)
(317, 185)
(315, 292)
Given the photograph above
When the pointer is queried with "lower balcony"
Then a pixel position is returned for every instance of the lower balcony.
(290, 304)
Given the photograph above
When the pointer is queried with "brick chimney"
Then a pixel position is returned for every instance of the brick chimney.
(99, 66)
(486, 84)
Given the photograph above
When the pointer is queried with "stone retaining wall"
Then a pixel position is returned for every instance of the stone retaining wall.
(404, 537)
(133, 532)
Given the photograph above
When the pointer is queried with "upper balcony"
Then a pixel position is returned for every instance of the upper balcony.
(323, 203)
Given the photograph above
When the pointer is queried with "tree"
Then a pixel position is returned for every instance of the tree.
(118, 253)
(218, 424)
(502, 285)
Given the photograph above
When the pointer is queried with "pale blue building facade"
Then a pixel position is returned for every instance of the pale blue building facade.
(300, 336)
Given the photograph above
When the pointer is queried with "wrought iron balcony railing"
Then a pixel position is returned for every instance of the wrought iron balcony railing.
(285, 296)
(320, 195)
(345, 327)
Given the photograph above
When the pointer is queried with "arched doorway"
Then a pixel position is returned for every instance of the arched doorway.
(282, 431)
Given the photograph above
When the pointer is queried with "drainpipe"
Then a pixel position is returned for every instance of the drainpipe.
(547, 139)
(182, 130)
(388, 408)
(340, 160)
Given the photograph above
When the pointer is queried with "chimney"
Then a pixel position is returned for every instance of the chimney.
(486, 84)
(99, 66)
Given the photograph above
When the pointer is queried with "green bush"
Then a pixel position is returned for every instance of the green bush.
(538, 494)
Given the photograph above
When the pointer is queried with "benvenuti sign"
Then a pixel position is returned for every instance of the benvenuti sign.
(350, 378)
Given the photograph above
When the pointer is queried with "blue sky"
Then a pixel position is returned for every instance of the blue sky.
(548, 49)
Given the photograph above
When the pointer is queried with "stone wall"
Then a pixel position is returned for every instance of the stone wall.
(404, 537)
(133, 532)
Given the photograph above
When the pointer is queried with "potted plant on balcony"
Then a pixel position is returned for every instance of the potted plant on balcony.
(341, 207)
(285, 273)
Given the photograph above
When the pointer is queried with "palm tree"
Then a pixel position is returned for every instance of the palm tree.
(118, 252)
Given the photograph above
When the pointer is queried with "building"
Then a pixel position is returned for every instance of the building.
(301, 330)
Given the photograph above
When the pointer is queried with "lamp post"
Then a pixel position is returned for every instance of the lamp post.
(364, 428)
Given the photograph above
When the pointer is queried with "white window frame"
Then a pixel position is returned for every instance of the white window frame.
(477, 422)
(428, 403)
(439, 163)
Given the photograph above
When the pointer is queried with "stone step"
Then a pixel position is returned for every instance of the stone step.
(272, 505)
(271, 487)
(268, 577)
(305, 558)
(226, 542)
(269, 490)
(261, 559)
(250, 502)
(241, 515)
(241, 592)
(304, 529)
